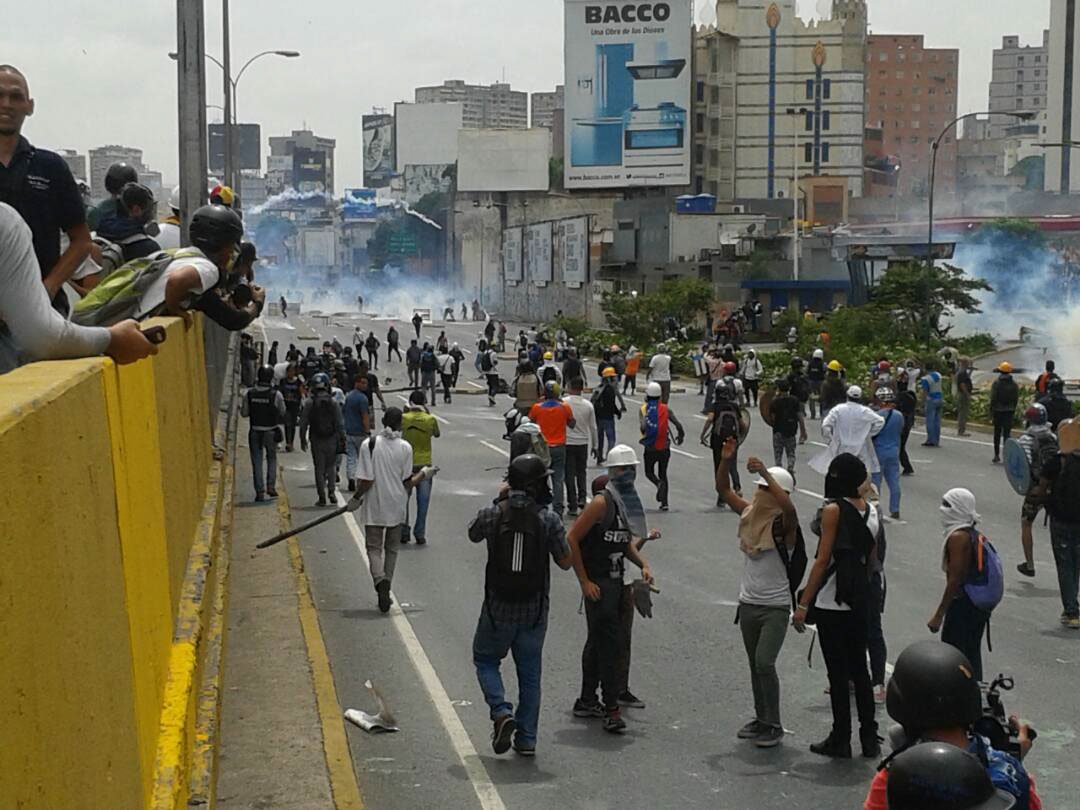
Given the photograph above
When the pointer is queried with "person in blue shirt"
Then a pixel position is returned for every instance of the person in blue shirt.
(357, 413)
(887, 447)
(935, 401)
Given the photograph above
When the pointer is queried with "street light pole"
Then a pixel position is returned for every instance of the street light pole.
(801, 111)
(228, 89)
(191, 108)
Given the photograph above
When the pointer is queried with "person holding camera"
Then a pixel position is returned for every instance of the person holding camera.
(935, 697)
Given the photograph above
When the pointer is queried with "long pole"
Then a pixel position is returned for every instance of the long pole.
(226, 72)
(483, 234)
(795, 196)
(191, 108)
(930, 242)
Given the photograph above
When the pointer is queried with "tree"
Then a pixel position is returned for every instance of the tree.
(919, 298)
(641, 317)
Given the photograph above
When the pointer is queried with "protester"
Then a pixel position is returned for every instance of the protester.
(429, 368)
(459, 358)
(445, 364)
(833, 390)
(714, 370)
(357, 418)
(600, 538)
(750, 372)
(135, 223)
(605, 401)
(418, 428)
(371, 346)
(292, 392)
(934, 402)
(117, 176)
(1042, 383)
(264, 407)
(838, 589)
(412, 364)
(392, 340)
(800, 384)
(656, 420)
(964, 390)
(815, 375)
(1040, 445)
(573, 367)
(849, 428)
(787, 423)
(633, 364)
(1004, 398)
(549, 372)
(39, 185)
(887, 449)
(1059, 482)
(1058, 406)
(489, 366)
(580, 437)
(554, 417)
(770, 540)
(722, 424)
(520, 535)
(961, 622)
(321, 421)
(417, 322)
(284, 308)
(660, 372)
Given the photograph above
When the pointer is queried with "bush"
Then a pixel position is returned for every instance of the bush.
(641, 318)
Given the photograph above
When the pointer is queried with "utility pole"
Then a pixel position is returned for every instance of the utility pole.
(191, 108)
(230, 124)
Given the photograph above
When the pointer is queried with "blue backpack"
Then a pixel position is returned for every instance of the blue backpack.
(986, 582)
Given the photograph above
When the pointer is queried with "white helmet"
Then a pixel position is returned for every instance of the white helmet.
(819, 354)
(780, 476)
(622, 455)
(654, 391)
(174, 199)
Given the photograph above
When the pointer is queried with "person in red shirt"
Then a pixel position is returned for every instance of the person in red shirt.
(656, 421)
(553, 417)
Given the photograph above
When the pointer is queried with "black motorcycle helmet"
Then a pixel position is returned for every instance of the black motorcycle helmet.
(939, 776)
(933, 686)
(214, 227)
(137, 195)
(526, 471)
(118, 176)
(266, 375)
(1056, 385)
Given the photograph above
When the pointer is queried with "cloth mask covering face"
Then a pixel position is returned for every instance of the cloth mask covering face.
(958, 511)
(756, 522)
(621, 488)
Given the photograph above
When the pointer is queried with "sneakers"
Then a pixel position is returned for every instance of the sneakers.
(383, 591)
(1072, 622)
(663, 507)
(523, 749)
(1026, 569)
(879, 694)
(504, 730)
(271, 492)
(770, 737)
(260, 497)
(630, 700)
(584, 708)
(331, 500)
(894, 515)
(997, 460)
(752, 730)
(320, 503)
(421, 541)
(829, 747)
(352, 485)
(613, 722)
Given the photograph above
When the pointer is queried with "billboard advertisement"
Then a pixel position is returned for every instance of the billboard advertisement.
(422, 180)
(628, 82)
(359, 205)
(573, 253)
(378, 150)
(426, 134)
(247, 141)
(538, 263)
(512, 255)
(309, 169)
(504, 159)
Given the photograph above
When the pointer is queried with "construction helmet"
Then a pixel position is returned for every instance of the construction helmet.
(885, 395)
(174, 199)
(834, 365)
(1004, 368)
(266, 375)
(609, 372)
(933, 686)
(819, 354)
(526, 470)
(549, 356)
(654, 391)
(884, 365)
(780, 476)
(730, 368)
(621, 455)
(320, 382)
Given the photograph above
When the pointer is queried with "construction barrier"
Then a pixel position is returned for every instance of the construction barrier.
(113, 501)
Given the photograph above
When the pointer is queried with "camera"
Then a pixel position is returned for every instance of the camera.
(995, 725)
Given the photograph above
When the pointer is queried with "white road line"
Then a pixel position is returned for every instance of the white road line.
(441, 419)
(477, 385)
(495, 447)
(485, 789)
(684, 453)
(818, 496)
(955, 439)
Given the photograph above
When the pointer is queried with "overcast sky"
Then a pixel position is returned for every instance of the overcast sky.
(100, 72)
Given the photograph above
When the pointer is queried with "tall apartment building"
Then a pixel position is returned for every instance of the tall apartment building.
(1063, 104)
(75, 162)
(1019, 80)
(713, 155)
(910, 97)
(486, 107)
(544, 106)
(312, 160)
(103, 157)
(816, 70)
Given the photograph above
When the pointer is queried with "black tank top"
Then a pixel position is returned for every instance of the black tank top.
(290, 391)
(605, 545)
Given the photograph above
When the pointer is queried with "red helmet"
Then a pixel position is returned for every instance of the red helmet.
(730, 368)
(884, 365)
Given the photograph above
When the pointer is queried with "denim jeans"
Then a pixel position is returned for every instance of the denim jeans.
(423, 499)
(1065, 539)
(353, 443)
(260, 442)
(558, 477)
(964, 627)
(890, 474)
(933, 421)
(427, 385)
(491, 643)
(605, 428)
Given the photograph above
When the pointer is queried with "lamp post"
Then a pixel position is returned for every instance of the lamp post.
(792, 111)
(1020, 116)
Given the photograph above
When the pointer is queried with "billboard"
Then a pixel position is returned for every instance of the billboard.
(378, 150)
(512, 255)
(247, 141)
(309, 169)
(421, 180)
(426, 134)
(628, 82)
(359, 205)
(504, 159)
(538, 263)
(573, 253)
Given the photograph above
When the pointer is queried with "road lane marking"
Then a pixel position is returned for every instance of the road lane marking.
(495, 447)
(477, 385)
(406, 401)
(955, 439)
(684, 453)
(881, 511)
(481, 782)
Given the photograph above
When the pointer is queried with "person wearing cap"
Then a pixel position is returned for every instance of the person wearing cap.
(1040, 445)
(418, 428)
(222, 195)
(933, 402)
(579, 439)
(605, 402)
(660, 371)
(768, 535)
(600, 539)
(887, 448)
(849, 428)
(935, 698)
(169, 227)
(549, 372)
(964, 389)
(656, 420)
(815, 373)
(1004, 398)
(833, 390)
(553, 416)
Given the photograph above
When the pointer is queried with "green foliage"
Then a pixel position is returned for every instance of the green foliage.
(641, 317)
(918, 298)
(575, 327)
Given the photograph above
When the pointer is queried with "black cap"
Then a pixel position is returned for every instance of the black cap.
(214, 227)
(526, 470)
(939, 776)
(118, 176)
(933, 686)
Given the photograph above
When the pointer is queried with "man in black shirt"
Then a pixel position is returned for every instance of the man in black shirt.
(964, 390)
(38, 184)
(787, 420)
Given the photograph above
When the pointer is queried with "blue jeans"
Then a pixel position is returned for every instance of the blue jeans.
(423, 499)
(558, 477)
(353, 441)
(933, 421)
(260, 442)
(526, 642)
(890, 472)
(604, 428)
(1065, 539)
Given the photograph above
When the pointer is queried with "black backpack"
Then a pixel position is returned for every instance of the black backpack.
(726, 424)
(851, 556)
(550, 375)
(1046, 447)
(517, 568)
(794, 559)
(485, 361)
(428, 362)
(1064, 503)
(323, 420)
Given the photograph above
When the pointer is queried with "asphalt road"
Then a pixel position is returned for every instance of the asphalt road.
(688, 664)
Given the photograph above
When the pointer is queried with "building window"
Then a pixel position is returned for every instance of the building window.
(899, 74)
(825, 152)
(1019, 104)
(699, 185)
(917, 56)
(1019, 75)
(808, 153)
(931, 91)
(1037, 101)
(900, 57)
(1038, 59)
(714, 95)
(916, 91)
(810, 87)
(809, 121)
(916, 124)
(714, 127)
(883, 108)
(1019, 60)
(1038, 73)
(699, 122)
(701, 91)
(916, 107)
(826, 88)
(699, 154)
(881, 75)
(883, 57)
(826, 117)
(1019, 88)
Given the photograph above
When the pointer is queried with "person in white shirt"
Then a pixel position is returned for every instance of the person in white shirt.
(384, 477)
(751, 374)
(850, 428)
(660, 371)
(579, 439)
(169, 228)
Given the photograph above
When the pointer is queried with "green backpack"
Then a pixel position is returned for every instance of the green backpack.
(119, 296)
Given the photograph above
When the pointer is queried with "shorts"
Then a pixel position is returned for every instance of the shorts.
(1030, 510)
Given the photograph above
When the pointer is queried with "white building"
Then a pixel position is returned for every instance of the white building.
(1062, 109)
(75, 162)
(544, 106)
(494, 106)
(1019, 80)
(816, 69)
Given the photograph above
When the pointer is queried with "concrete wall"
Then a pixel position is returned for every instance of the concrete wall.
(106, 479)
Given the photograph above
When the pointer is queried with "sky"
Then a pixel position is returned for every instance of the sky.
(103, 76)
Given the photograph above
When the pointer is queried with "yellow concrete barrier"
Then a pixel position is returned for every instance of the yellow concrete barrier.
(112, 501)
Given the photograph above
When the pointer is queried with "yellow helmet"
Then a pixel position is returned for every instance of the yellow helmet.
(834, 365)
(609, 372)
(1005, 368)
(549, 356)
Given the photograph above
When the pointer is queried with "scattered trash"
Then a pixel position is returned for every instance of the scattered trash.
(373, 723)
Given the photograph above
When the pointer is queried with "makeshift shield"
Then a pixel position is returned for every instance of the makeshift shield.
(1017, 467)
(765, 405)
(1069, 436)
(744, 424)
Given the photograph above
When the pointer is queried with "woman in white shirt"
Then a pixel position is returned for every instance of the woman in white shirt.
(838, 590)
